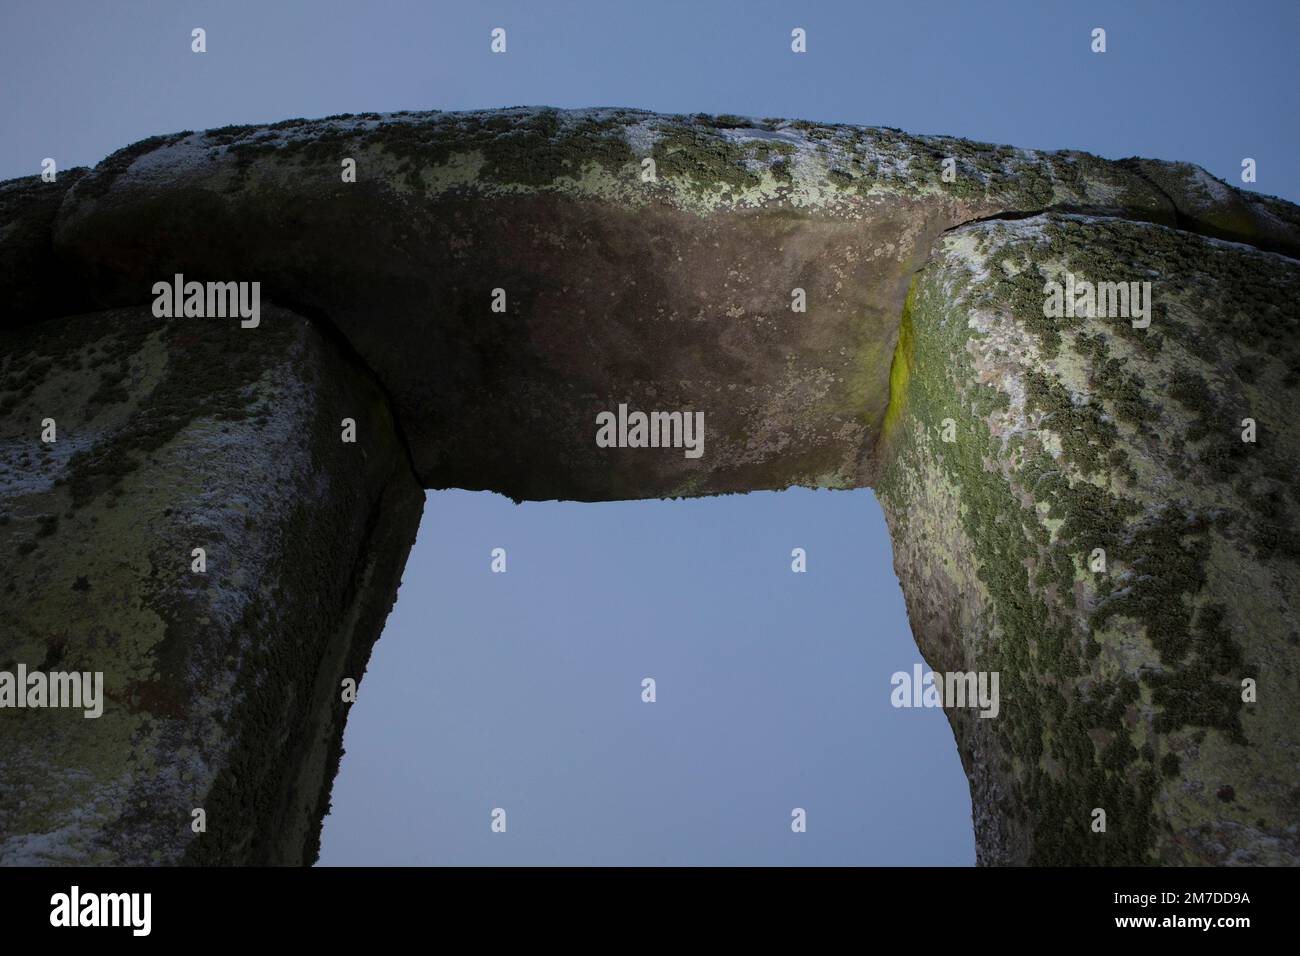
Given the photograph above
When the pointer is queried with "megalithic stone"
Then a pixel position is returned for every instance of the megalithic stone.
(1006, 445)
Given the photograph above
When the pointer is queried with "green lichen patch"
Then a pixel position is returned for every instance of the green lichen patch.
(209, 367)
(712, 161)
(228, 445)
(1111, 679)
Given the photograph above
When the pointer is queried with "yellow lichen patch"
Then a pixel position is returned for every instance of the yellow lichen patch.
(900, 371)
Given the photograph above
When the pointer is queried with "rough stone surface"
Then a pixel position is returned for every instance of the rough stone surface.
(1120, 689)
(668, 294)
(222, 688)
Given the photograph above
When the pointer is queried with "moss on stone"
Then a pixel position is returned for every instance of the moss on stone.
(707, 161)
(1033, 504)
(208, 369)
(106, 172)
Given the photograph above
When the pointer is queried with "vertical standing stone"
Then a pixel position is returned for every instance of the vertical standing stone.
(1121, 688)
(222, 685)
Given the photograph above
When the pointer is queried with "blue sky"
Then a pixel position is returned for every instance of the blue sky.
(523, 690)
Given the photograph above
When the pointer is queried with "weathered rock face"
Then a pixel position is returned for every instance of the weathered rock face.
(665, 294)
(658, 262)
(221, 689)
(1121, 687)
